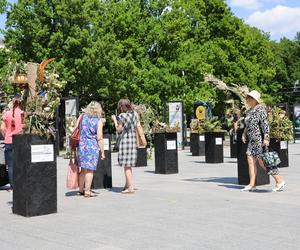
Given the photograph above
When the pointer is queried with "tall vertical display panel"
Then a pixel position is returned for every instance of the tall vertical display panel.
(176, 117)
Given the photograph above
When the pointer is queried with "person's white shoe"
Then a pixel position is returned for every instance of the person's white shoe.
(248, 188)
(279, 187)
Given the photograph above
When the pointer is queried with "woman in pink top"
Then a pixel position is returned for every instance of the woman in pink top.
(12, 124)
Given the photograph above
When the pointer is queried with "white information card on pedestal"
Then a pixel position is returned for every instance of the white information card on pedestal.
(283, 144)
(219, 141)
(171, 145)
(42, 153)
(106, 143)
(201, 138)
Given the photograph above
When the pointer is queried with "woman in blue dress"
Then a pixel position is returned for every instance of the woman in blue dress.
(90, 143)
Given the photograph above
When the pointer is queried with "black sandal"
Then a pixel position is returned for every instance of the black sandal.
(80, 193)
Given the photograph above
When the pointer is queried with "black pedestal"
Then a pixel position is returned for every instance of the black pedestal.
(141, 157)
(281, 147)
(214, 147)
(102, 175)
(233, 146)
(243, 173)
(166, 155)
(34, 179)
(197, 144)
(3, 175)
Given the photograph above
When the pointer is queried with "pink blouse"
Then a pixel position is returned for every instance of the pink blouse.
(12, 125)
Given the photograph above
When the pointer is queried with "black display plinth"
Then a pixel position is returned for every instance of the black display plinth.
(282, 148)
(262, 178)
(214, 147)
(141, 157)
(35, 178)
(197, 144)
(3, 175)
(166, 155)
(233, 146)
(102, 175)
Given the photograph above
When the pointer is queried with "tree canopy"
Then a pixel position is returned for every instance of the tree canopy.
(149, 51)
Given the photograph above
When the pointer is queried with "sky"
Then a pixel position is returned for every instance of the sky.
(279, 18)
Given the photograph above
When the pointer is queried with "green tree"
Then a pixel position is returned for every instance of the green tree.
(149, 51)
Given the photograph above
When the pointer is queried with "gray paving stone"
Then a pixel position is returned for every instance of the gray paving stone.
(199, 208)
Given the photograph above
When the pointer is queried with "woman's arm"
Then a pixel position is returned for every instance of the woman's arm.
(264, 125)
(100, 139)
(118, 125)
(2, 125)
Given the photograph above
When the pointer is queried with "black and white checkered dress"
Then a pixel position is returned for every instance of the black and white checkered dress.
(128, 148)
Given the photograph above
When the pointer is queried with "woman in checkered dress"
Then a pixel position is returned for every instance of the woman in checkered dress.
(125, 125)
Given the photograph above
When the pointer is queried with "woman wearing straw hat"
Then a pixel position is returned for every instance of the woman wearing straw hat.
(257, 135)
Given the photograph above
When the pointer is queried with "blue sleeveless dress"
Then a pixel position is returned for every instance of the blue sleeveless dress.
(88, 149)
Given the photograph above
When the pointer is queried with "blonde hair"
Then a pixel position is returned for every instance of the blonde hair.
(94, 109)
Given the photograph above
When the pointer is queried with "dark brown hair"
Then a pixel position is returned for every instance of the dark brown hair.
(16, 101)
(124, 105)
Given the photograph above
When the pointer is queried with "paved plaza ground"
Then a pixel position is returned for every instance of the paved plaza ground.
(199, 208)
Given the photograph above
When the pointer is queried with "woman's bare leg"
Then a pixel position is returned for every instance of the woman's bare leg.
(81, 180)
(252, 169)
(128, 177)
(88, 180)
(277, 177)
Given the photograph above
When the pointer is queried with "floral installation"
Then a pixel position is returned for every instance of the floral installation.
(236, 104)
(40, 111)
(160, 127)
(281, 128)
(146, 116)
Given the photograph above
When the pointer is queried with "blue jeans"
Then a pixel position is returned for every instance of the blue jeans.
(9, 162)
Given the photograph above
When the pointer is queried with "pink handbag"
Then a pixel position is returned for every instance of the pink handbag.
(72, 177)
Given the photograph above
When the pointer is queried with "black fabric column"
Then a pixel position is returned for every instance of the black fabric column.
(166, 155)
(214, 147)
(197, 144)
(34, 177)
(141, 157)
(233, 146)
(243, 173)
(282, 148)
(103, 175)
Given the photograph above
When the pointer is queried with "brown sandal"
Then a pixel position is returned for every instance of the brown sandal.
(89, 194)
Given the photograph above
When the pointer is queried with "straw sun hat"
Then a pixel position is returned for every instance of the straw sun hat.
(255, 95)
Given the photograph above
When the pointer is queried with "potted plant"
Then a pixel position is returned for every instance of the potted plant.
(165, 144)
(281, 132)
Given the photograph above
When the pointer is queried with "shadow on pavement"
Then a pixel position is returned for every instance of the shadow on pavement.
(225, 180)
(231, 186)
(116, 189)
(149, 171)
(71, 193)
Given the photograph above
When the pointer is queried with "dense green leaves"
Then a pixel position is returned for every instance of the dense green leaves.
(149, 51)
